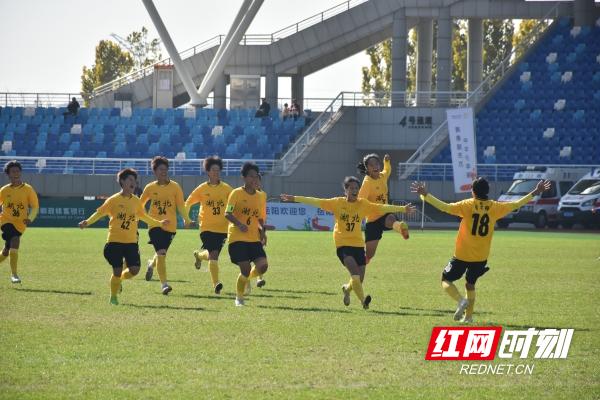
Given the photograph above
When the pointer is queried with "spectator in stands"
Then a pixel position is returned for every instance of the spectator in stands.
(263, 110)
(296, 110)
(285, 114)
(72, 108)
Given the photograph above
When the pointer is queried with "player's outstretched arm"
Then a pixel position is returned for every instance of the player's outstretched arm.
(390, 208)
(541, 187)
(152, 223)
(93, 218)
(421, 190)
(313, 201)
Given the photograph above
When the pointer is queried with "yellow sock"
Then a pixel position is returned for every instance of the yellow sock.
(161, 267)
(213, 267)
(357, 287)
(2, 257)
(115, 284)
(451, 290)
(349, 285)
(253, 273)
(153, 265)
(203, 255)
(241, 286)
(14, 257)
(471, 306)
(126, 274)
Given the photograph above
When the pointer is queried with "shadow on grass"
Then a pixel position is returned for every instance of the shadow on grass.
(280, 296)
(299, 291)
(409, 314)
(525, 327)
(231, 296)
(170, 280)
(165, 306)
(305, 309)
(434, 311)
(226, 296)
(52, 291)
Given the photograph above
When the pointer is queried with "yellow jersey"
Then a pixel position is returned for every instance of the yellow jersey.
(264, 210)
(212, 199)
(348, 216)
(376, 190)
(16, 202)
(124, 213)
(248, 209)
(477, 225)
(165, 200)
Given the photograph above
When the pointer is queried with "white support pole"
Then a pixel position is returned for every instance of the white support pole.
(184, 74)
(236, 22)
(229, 45)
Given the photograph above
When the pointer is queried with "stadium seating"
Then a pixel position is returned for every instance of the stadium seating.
(101, 133)
(547, 111)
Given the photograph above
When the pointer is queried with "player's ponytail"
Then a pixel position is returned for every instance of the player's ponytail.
(362, 168)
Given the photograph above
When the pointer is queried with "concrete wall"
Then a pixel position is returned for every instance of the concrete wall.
(395, 128)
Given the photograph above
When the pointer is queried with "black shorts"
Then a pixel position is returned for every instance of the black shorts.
(212, 241)
(456, 268)
(160, 239)
(8, 232)
(246, 251)
(115, 252)
(358, 253)
(374, 230)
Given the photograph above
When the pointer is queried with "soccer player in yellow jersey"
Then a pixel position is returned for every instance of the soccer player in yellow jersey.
(375, 189)
(212, 196)
(349, 211)
(246, 234)
(20, 206)
(479, 215)
(166, 198)
(260, 282)
(124, 210)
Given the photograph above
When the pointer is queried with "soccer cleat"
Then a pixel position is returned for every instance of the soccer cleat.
(248, 288)
(218, 288)
(15, 279)
(346, 295)
(404, 230)
(198, 262)
(114, 301)
(460, 309)
(166, 289)
(467, 320)
(239, 302)
(260, 282)
(150, 270)
(366, 302)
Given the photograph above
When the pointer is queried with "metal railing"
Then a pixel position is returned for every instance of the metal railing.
(17, 99)
(247, 40)
(319, 126)
(439, 135)
(492, 172)
(110, 166)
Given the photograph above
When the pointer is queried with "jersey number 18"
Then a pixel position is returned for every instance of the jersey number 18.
(480, 225)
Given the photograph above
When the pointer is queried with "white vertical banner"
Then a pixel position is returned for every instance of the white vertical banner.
(462, 147)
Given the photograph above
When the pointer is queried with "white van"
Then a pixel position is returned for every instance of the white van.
(576, 206)
(543, 209)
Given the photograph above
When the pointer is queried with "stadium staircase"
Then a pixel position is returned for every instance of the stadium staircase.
(544, 110)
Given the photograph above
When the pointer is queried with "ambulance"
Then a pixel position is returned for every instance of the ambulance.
(542, 211)
(576, 206)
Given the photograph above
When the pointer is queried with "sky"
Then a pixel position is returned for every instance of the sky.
(45, 44)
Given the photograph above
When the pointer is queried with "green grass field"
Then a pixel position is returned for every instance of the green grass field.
(61, 339)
